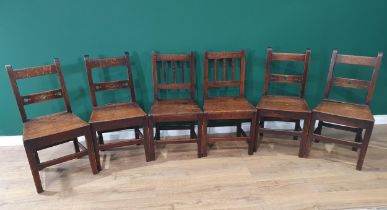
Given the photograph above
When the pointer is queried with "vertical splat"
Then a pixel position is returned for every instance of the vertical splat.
(224, 69)
(232, 69)
(215, 69)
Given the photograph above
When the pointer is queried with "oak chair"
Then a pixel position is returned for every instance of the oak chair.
(166, 110)
(343, 115)
(50, 130)
(115, 116)
(284, 108)
(235, 108)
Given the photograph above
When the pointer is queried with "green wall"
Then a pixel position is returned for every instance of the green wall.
(34, 32)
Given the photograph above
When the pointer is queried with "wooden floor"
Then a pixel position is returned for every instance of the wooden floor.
(273, 178)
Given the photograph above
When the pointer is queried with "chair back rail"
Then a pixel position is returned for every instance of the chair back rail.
(224, 58)
(368, 85)
(25, 73)
(286, 78)
(92, 64)
(164, 63)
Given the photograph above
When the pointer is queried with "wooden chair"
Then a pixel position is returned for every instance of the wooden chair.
(343, 115)
(284, 108)
(115, 116)
(50, 130)
(173, 110)
(227, 108)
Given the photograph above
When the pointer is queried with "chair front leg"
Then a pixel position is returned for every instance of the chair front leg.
(92, 152)
(304, 139)
(146, 140)
(33, 162)
(364, 147)
(253, 132)
(258, 141)
(308, 141)
(96, 148)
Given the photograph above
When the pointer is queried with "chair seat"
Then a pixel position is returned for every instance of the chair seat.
(347, 110)
(50, 125)
(283, 103)
(114, 112)
(227, 104)
(174, 107)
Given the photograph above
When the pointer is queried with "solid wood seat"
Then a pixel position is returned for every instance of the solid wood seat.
(283, 103)
(170, 73)
(119, 115)
(346, 110)
(233, 105)
(114, 112)
(174, 108)
(225, 110)
(50, 130)
(343, 115)
(284, 108)
(49, 125)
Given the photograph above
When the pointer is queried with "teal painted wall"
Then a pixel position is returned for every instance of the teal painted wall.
(34, 32)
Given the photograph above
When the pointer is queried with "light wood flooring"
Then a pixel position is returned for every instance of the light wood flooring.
(273, 178)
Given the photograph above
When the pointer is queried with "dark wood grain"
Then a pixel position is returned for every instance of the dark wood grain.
(49, 130)
(343, 115)
(284, 108)
(116, 116)
(227, 108)
(173, 110)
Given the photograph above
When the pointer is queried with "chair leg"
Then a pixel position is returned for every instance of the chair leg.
(96, 149)
(253, 132)
(137, 132)
(262, 125)
(33, 166)
(239, 129)
(192, 133)
(157, 134)
(364, 147)
(358, 138)
(318, 130)
(258, 141)
(36, 156)
(297, 127)
(304, 138)
(204, 138)
(308, 141)
(76, 145)
(146, 141)
(92, 152)
(200, 136)
(151, 142)
(100, 137)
